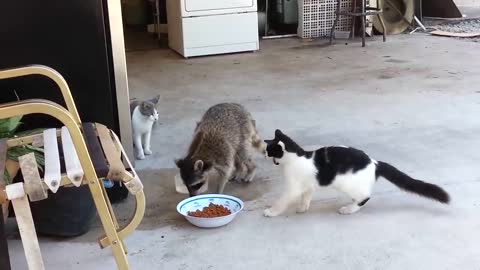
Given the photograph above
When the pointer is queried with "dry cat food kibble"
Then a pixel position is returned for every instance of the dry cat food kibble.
(210, 211)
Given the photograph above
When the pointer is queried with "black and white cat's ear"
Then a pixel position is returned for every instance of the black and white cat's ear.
(155, 99)
(179, 162)
(268, 141)
(278, 133)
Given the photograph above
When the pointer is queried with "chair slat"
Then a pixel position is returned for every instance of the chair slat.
(33, 182)
(72, 162)
(95, 150)
(53, 174)
(134, 185)
(116, 168)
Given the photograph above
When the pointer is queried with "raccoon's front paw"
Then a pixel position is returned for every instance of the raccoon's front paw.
(269, 212)
(148, 152)
(140, 157)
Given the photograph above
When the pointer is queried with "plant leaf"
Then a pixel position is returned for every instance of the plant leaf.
(6, 176)
(9, 125)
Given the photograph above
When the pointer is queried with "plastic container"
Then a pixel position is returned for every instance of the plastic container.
(181, 188)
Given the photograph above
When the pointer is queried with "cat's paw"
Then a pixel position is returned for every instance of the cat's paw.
(147, 152)
(269, 212)
(303, 208)
(349, 209)
(140, 157)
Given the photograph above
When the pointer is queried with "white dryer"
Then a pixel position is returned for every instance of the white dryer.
(205, 27)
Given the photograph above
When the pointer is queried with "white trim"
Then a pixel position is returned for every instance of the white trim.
(120, 72)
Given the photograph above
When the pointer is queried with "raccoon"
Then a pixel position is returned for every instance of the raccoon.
(220, 149)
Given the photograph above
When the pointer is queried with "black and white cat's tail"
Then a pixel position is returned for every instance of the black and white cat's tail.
(409, 184)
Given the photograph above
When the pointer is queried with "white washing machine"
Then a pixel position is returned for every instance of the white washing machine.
(206, 27)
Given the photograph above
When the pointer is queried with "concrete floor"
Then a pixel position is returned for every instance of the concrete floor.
(413, 101)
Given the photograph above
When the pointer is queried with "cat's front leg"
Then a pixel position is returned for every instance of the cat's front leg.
(305, 200)
(281, 204)
(146, 143)
(137, 141)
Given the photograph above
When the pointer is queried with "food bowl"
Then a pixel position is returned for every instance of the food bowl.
(235, 205)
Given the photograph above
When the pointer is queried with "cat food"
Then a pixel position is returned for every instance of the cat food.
(210, 211)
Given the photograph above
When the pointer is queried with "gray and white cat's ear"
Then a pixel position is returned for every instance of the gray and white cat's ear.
(155, 99)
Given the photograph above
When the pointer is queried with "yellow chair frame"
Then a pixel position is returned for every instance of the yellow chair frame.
(70, 119)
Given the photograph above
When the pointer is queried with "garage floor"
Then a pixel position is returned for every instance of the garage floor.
(413, 101)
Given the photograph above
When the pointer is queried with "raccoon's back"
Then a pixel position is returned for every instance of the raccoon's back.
(227, 119)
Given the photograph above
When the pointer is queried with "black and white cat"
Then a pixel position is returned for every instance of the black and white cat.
(347, 169)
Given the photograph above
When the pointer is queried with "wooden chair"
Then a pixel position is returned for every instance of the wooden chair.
(92, 153)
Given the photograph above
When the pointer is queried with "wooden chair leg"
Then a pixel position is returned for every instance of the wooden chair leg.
(380, 18)
(363, 23)
(4, 257)
(354, 19)
(108, 223)
(337, 16)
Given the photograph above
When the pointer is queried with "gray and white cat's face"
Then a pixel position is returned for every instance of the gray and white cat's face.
(148, 108)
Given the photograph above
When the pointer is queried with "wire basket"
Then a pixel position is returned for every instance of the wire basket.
(316, 17)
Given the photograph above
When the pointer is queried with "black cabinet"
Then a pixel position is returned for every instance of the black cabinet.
(72, 37)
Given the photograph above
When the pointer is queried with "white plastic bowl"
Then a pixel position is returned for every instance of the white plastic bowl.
(235, 205)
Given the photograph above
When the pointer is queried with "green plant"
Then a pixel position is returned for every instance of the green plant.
(8, 128)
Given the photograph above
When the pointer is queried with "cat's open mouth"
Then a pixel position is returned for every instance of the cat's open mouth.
(275, 162)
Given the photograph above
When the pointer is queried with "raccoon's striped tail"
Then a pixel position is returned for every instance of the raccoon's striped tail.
(405, 182)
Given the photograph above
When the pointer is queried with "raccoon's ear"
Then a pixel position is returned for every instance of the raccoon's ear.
(179, 162)
(198, 166)
(207, 166)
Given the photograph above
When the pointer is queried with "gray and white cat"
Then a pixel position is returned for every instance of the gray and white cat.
(144, 115)
(345, 168)
(220, 149)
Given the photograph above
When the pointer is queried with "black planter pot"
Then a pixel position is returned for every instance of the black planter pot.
(69, 212)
